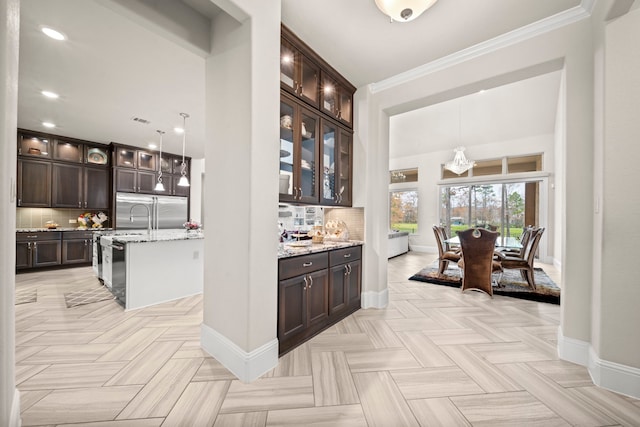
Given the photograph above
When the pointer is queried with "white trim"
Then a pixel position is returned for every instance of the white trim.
(14, 416)
(423, 249)
(614, 376)
(572, 350)
(557, 263)
(610, 375)
(545, 25)
(247, 366)
(372, 299)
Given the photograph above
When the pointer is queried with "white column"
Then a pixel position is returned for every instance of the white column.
(9, 35)
(241, 187)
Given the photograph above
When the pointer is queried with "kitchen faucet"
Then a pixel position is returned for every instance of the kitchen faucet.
(148, 215)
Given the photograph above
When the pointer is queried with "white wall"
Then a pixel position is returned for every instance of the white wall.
(9, 35)
(429, 175)
(197, 187)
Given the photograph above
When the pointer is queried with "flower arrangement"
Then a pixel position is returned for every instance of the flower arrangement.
(88, 219)
(84, 220)
(192, 225)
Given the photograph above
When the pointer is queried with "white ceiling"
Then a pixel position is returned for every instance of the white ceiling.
(115, 67)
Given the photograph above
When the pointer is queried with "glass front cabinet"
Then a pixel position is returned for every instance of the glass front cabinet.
(336, 165)
(298, 74)
(298, 153)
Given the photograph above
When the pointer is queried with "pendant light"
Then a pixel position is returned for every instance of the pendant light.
(159, 185)
(184, 181)
(460, 164)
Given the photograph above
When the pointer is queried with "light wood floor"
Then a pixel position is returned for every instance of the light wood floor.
(434, 357)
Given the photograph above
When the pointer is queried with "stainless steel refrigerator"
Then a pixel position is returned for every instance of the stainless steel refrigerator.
(134, 211)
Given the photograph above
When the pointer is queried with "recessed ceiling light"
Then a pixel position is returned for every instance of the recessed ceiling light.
(50, 94)
(178, 130)
(152, 146)
(56, 35)
(48, 124)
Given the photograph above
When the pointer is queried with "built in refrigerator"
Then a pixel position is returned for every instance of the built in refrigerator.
(134, 211)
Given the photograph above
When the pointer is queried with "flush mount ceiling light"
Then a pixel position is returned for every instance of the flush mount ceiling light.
(50, 94)
(56, 35)
(48, 124)
(184, 181)
(404, 10)
(159, 185)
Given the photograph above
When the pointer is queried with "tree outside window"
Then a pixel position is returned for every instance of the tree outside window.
(404, 210)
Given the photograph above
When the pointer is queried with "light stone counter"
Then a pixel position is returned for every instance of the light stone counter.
(287, 251)
(138, 236)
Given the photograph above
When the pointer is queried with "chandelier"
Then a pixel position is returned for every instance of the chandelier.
(460, 164)
(404, 10)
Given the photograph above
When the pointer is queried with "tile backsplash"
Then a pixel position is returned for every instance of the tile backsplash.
(38, 217)
(353, 217)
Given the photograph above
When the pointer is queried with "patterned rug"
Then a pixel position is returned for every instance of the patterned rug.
(87, 296)
(511, 284)
(26, 295)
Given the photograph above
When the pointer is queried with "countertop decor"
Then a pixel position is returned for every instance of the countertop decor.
(286, 251)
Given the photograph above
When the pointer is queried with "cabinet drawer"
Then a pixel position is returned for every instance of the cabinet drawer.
(77, 235)
(341, 256)
(291, 267)
(38, 235)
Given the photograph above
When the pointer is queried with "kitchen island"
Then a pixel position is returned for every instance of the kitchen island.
(146, 268)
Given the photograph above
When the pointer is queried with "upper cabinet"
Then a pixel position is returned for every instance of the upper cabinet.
(34, 145)
(316, 117)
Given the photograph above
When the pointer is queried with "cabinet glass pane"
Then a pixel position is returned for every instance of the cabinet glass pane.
(345, 167)
(166, 165)
(126, 158)
(68, 151)
(329, 159)
(177, 166)
(310, 74)
(30, 145)
(286, 148)
(329, 96)
(146, 161)
(287, 65)
(308, 155)
(345, 106)
(97, 156)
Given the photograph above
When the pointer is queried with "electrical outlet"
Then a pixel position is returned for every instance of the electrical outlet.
(73, 221)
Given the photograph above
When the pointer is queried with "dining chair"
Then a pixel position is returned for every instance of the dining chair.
(524, 239)
(445, 253)
(524, 263)
(477, 263)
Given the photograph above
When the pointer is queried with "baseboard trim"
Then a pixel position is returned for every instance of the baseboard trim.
(573, 350)
(14, 417)
(372, 299)
(423, 249)
(614, 376)
(610, 375)
(247, 366)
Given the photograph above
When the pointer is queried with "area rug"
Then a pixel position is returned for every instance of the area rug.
(87, 296)
(511, 284)
(25, 296)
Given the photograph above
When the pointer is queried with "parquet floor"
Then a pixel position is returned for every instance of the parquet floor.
(434, 357)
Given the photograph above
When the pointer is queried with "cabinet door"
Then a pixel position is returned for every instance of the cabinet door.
(67, 186)
(288, 155)
(309, 155)
(96, 188)
(317, 297)
(179, 190)
(34, 183)
(167, 181)
(146, 182)
(344, 174)
(68, 151)
(330, 96)
(126, 158)
(292, 307)
(33, 145)
(330, 143)
(147, 161)
(338, 297)
(345, 114)
(97, 156)
(354, 284)
(46, 253)
(23, 255)
(126, 180)
(309, 80)
(76, 251)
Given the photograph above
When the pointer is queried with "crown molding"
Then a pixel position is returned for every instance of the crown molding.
(543, 26)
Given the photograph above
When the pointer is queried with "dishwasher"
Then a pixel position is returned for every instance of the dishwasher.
(114, 268)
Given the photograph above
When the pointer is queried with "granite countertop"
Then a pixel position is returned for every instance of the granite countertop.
(290, 251)
(143, 236)
(35, 230)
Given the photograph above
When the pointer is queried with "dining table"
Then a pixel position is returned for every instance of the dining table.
(502, 242)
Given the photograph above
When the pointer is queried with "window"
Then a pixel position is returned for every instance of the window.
(403, 207)
(403, 175)
(530, 163)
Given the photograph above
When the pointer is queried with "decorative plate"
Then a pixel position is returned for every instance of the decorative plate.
(96, 156)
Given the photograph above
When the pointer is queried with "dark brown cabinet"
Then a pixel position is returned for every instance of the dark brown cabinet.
(134, 181)
(34, 183)
(82, 187)
(96, 188)
(40, 249)
(68, 151)
(316, 120)
(31, 144)
(315, 291)
(77, 247)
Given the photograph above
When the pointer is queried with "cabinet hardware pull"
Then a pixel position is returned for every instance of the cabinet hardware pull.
(85, 204)
(79, 204)
(29, 245)
(300, 188)
(35, 244)
(349, 265)
(347, 255)
(346, 269)
(306, 283)
(19, 202)
(310, 282)
(307, 264)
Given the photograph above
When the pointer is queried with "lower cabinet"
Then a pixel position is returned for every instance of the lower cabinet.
(77, 247)
(39, 249)
(316, 291)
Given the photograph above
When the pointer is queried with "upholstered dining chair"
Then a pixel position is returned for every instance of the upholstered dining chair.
(477, 263)
(524, 263)
(445, 253)
(524, 239)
